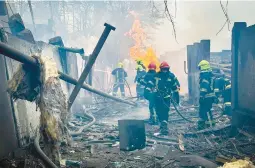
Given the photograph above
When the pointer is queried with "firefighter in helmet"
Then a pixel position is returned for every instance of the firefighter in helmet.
(207, 96)
(149, 91)
(166, 85)
(140, 72)
(120, 74)
(222, 88)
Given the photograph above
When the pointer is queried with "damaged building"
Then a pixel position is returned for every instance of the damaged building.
(57, 109)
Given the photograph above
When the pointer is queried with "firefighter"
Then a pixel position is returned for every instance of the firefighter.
(166, 90)
(219, 83)
(227, 97)
(140, 68)
(149, 91)
(207, 96)
(222, 89)
(120, 75)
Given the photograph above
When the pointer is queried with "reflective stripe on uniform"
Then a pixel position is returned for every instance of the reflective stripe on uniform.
(206, 81)
(148, 89)
(157, 79)
(209, 95)
(216, 90)
(117, 76)
(169, 80)
(228, 87)
(203, 90)
(167, 96)
(227, 104)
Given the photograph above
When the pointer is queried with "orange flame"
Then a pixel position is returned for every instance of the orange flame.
(139, 51)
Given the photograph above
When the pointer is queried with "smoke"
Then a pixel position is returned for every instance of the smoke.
(176, 61)
(191, 26)
(79, 41)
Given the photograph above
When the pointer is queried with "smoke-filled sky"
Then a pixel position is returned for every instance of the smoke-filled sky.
(196, 20)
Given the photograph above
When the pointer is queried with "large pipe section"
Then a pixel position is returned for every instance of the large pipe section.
(23, 58)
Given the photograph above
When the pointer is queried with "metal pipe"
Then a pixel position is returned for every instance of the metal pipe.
(68, 79)
(41, 154)
(90, 63)
(73, 50)
(18, 56)
(81, 129)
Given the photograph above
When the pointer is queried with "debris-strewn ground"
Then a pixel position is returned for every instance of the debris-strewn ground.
(98, 146)
(22, 158)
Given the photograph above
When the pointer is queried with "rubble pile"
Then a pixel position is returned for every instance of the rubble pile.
(98, 146)
(22, 158)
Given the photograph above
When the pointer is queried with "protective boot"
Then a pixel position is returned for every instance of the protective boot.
(163, 128)
(201, 125)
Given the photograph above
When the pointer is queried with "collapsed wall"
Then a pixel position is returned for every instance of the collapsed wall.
(26, 116)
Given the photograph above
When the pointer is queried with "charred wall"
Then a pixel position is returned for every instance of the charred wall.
(196, 53)
(25, 112)
(243, 76)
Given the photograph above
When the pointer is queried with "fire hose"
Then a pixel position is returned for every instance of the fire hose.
(178, 112)
(128, 87)
(81, 129)
(42, 155)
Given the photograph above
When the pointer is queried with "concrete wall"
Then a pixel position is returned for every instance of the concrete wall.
(196, 53)
(26, 115)
(243, 76)
(8, 140)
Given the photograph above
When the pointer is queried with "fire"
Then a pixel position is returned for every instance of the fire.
(139, 51)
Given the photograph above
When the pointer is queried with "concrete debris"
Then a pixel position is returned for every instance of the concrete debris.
(22, 158)
(158, 151)
(98, 142)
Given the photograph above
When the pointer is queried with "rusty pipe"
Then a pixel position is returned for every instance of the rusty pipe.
(73, 50)
(90, 63)
(25, 59)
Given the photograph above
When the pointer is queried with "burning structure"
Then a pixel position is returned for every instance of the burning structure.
(140, 50)
(94, 131)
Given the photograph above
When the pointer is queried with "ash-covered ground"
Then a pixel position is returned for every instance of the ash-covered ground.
(98, 146)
